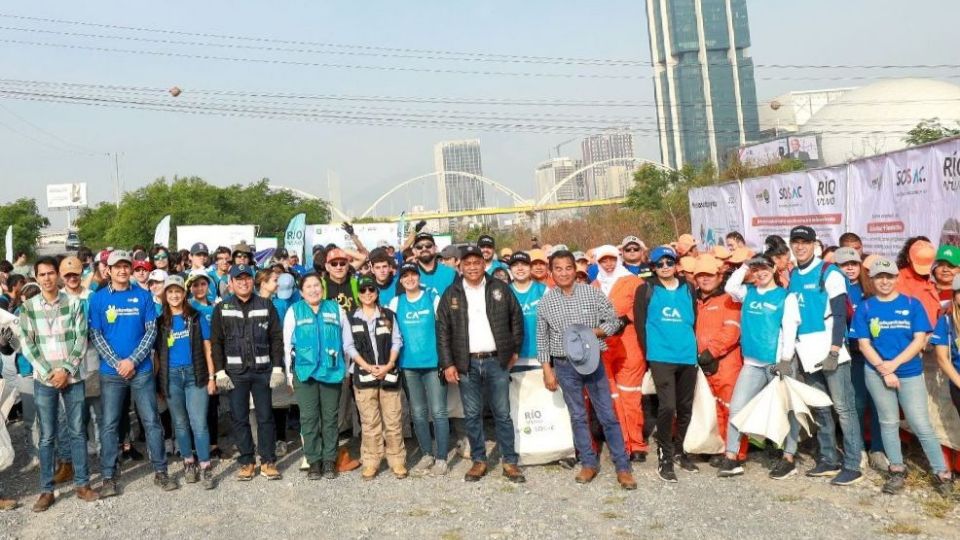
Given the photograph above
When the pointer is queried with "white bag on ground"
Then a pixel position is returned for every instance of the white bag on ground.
(703, 435)
(541, 422)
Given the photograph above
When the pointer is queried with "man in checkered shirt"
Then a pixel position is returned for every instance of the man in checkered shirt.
(575, 303)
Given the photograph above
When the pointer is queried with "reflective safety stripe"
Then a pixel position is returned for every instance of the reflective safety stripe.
(258, 313)
(732, 323)
(630, 388)
(234, 360)
(614, 396)
(263, 359)
(232, 313)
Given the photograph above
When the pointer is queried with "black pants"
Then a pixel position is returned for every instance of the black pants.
(675, 387)
(213, 419)
(280, 422)
(257, 384)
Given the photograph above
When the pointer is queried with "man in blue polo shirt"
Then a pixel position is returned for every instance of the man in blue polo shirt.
(433, 276)
(123, 330)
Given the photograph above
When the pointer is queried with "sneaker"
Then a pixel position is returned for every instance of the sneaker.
(109, 488)
(824, 469)
(329, 470)
(729, 468)
(878, 461)
(440, 468)
(281, 449)
(269, 471)
(464, 445)
(247, 472)
(716, 460)
(687, 464)
(164, 482)
(315, 471)
(423, 466)
(944, 486)
(207, 479)
(783, 469)
(665, 467)
(895, 482)
(847, 478)
(191, 473)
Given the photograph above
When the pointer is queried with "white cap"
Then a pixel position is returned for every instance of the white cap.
(157, 275)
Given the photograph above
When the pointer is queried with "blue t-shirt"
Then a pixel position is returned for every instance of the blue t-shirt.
(387, 293)
(438, 280)
(281, 306)
(178, 340)
(494, 264)
(122, 316)
(890, 327)
(945, 335)
(529, 300)
(205, 310)
(670, 320)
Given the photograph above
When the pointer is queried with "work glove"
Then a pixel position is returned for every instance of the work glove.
(277, 378)
(224, 383)
(708, 363)
(420, 225)
(346, 226)
(783, 368)
(829, 364)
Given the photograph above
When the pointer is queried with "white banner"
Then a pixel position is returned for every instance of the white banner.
(161, 235)
(265, 242)
(8, 243)
(763, 153)
(214, 236)
(369, 233)
(715, 211)
(64, 196)
(776, 204)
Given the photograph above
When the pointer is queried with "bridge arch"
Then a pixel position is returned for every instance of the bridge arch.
(517, 198)
(300, 193)
(549, 195)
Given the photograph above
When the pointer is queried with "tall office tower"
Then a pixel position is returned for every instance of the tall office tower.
(597, 148)
(703, 78)
(548, 175)
(457, 192)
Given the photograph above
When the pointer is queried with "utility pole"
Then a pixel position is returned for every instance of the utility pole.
(117, 183)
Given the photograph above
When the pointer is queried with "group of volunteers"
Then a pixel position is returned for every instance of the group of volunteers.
(363, 334)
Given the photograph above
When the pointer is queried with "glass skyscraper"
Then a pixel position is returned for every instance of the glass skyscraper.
(703, 79)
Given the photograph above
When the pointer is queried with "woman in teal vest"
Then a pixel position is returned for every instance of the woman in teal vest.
(315, 332)
(416, 316)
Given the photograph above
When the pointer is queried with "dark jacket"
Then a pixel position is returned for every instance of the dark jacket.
(641, 301)
(503, 312)
(199, 358)
(246, 335)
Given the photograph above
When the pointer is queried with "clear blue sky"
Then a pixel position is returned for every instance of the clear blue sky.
(371, 159)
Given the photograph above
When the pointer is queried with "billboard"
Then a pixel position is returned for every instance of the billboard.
(66, 196)
(763, 153)
(714, 212)
(214, 236)
(803, 147)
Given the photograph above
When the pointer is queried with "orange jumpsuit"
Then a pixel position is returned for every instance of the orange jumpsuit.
(625, 366)
(920, 287)
(718, 330)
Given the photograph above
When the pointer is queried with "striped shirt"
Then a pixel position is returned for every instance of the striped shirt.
(53, 335)
(557, 311)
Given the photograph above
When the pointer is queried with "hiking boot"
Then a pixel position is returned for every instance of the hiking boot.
(683, 460)
(207, 479)
(8, 504)
(191, 473)
(477, 471)
(586, 475)
(44, 502)
(729, 468)
(399, 471)
(513, 473)
(64, 473)
(269, 471)
(638, 457)
(824, 469)
(109, 488)
(281, 449)
(247, 472)
(329, 470)
(626, 481)
(944, 486)
(423, 466)
(315, 471)
(895, 483)
(440, 468)
(847, 478)
(369, 473)
(84, 493)
(783, 469)
(878, 461)
(164, 482)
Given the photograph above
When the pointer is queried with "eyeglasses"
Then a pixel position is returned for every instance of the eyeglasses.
(423, 246)
(631, 249)
(368, 289)
(337, 264)
(668, 263)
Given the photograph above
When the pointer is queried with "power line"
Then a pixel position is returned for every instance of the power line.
(47, 133)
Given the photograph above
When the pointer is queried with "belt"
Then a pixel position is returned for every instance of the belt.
(483, 355)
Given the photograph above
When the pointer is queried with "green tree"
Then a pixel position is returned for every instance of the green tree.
(929, 130)
(26, 220)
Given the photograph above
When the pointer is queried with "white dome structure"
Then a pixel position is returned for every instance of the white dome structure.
(874, 119)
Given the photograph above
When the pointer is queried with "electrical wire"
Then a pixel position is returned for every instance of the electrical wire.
(54, 136)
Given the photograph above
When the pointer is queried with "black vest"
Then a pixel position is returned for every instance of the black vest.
(198, 357)
(383, 336)
(246, 343)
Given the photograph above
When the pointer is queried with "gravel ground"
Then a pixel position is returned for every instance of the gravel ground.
(549, 505)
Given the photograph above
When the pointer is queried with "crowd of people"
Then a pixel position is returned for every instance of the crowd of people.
(368, 333)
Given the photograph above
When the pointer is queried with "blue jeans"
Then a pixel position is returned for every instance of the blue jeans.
(598, 388)
(113, 391)
(912, 398)
(864, 403)
(751, 381)
(428, 397)
(839, 386)
(487, 381)
(188, 410)
(47, 400)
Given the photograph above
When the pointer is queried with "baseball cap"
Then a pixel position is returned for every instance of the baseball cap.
(280, 253)
(922, 255)
(450, 252)
(285, 286)
(660, 252)
(802, 232)
(194, 275)
(688, 264)
(71, 265)
(506, 252)
(103, 256)
(159, 276)
(243, 247)
(408, 267)
(520, 257)
(366, 281)
(627, 240)
(337, 253)
(171, 281)
(580, 256)
(537, 255)
(946, 253)
(883, 265)
(720, 252)
(485, 241)
(685, 243)
(241, 269)
(118, 256)
(740, 255)
(845, 255)
(142, 263)
(423, 235)
(199, 248)
(707, 264)
(470, 251)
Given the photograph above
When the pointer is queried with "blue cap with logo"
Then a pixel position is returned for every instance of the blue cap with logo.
(660, 252)
(238, 270)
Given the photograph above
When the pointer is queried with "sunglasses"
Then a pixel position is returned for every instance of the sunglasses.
(423, 246)
(368, 289)
(668, 263)
(337, 264)
(631, 249)
(141, 270)
(160, 257)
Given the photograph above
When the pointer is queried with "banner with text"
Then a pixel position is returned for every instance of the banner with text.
(715, 211)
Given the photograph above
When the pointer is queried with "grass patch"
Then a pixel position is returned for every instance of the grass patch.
(418, 512)
(610, 515)
(452, 534)
(936, 507)
(901, 527)
(623, 533)
(508, 489)
(789, 498)
(614, 500)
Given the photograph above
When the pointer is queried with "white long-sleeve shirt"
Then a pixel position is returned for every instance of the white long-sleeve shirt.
(787, 340)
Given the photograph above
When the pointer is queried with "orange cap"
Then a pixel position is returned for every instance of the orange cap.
(688, 264)
(721, 252)
(740, 255)
(506, 252)
(537, 255)
(71, 265)
(706, 264)
(337, 253)
(922, 254)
